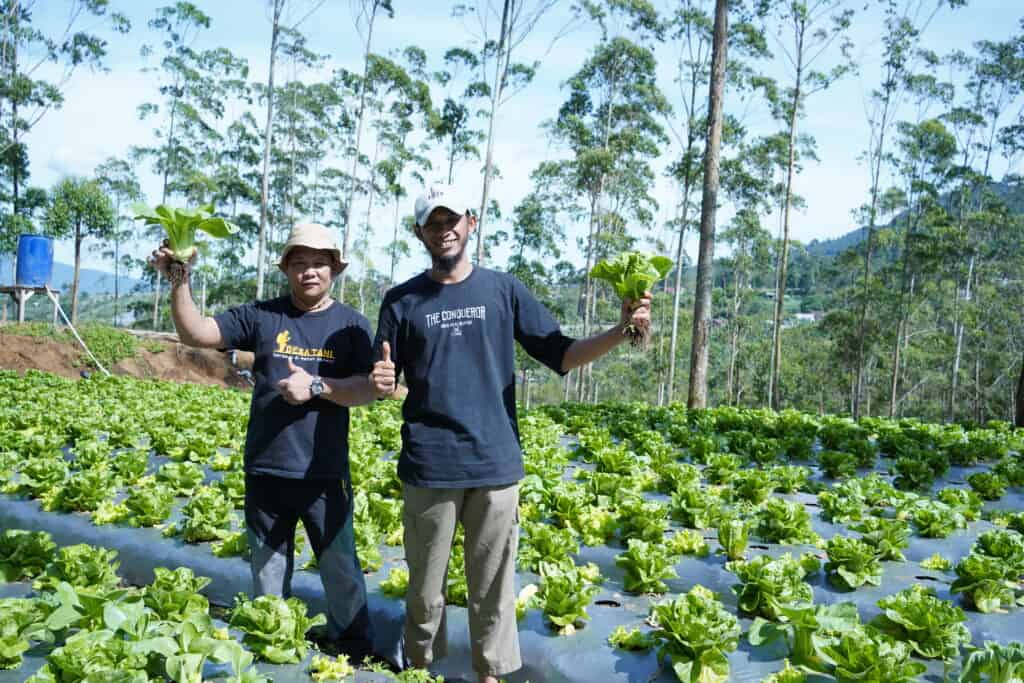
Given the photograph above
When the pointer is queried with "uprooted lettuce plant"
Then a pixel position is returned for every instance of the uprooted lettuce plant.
(181, 226)
(631, 274)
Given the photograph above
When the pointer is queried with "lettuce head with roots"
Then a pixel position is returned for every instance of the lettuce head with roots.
(631, 274)
(181, 226)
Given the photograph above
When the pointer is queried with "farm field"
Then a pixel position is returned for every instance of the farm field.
(656, 544)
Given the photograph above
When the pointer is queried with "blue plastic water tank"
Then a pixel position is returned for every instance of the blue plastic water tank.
(35, 261)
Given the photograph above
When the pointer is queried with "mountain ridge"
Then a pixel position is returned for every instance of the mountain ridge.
(91, 280)
(1012, 194)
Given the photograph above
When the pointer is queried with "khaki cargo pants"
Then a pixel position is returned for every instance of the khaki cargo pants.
(490, 517)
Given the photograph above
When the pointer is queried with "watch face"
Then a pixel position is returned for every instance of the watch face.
(317, 387)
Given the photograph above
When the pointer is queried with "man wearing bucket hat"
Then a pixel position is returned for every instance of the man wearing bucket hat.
(313, 361)
(452, 332)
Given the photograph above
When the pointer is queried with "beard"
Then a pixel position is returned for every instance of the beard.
(446, 264)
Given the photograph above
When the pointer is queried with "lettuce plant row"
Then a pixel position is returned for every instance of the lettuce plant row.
(656, 484)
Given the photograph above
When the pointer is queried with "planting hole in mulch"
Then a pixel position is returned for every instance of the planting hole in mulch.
(608, 603)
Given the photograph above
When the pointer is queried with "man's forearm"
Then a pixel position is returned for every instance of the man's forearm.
(583, 351)
(188, 320)
(349, 392)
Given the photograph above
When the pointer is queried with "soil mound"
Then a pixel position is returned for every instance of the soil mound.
(161, 356)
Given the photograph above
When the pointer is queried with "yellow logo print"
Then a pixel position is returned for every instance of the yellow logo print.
(282, 340)
(283, 347)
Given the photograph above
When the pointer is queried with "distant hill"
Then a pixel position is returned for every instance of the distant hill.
(91, 281)
(1013, 195)
(838, 245)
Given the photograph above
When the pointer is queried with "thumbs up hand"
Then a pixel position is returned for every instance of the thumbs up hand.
(295, 387)
(382, 377)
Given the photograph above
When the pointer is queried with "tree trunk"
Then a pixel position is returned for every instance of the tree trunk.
(360, 115)
(261, 250)
(78, 270)
(585, 373)
(979, 405)
(362, 296)
(958, 331)
(866, 282)
(15, 128)
(14, 164)
(500, 74)
(588, 285)
(117, 259)
(894, 381)
(394, 247)
(867, 395)
(780, 285)
(702, 296)
(1019, 399)
(733, 338)
(451, 157)
(163, 200)
(683, 218)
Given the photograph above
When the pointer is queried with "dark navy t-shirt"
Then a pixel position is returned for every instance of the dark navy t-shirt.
(308, 441)
(455, 343)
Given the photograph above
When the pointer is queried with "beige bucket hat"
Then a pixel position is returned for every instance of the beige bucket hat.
(314, 236)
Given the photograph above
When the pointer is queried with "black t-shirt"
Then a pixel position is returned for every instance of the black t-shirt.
(455, 344)
(309, 441)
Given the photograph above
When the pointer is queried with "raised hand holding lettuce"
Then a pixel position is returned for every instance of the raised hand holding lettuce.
(181, 226)
(631, 275)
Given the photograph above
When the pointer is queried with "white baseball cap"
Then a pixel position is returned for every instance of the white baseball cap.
(439, 194)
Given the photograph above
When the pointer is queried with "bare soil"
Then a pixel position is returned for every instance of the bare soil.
(175, 362)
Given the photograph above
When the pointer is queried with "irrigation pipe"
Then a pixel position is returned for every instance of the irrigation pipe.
(67, 322)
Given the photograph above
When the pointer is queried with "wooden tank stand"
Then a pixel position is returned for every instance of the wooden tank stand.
(21, 295)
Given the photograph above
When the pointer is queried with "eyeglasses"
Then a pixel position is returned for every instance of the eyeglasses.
(443, 225)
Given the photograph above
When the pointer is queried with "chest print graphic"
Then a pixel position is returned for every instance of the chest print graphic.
(285, 349)
(454, 319)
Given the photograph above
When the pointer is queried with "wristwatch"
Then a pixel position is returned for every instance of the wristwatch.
(316, 387)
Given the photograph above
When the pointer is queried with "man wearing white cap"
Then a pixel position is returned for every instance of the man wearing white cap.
(452, 332)
(313, 361)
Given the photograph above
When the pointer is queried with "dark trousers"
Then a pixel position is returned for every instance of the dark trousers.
(273, 508)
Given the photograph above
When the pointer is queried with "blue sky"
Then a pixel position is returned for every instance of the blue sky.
(99, 118)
